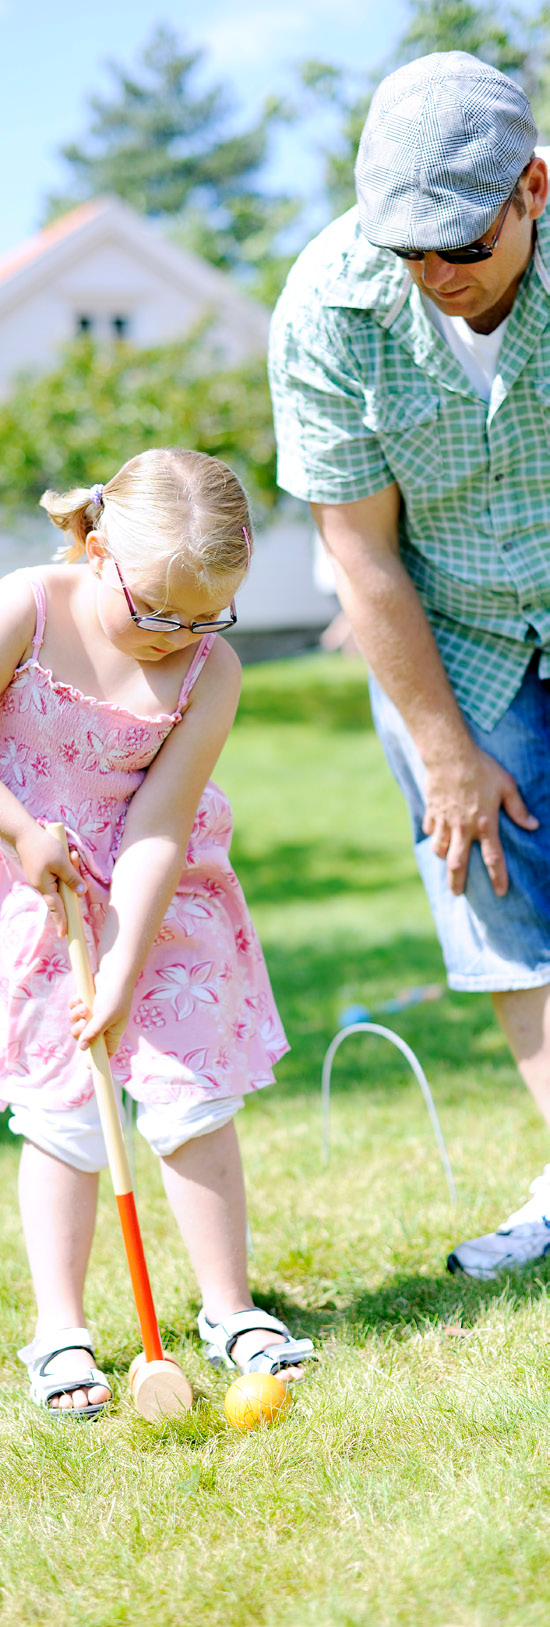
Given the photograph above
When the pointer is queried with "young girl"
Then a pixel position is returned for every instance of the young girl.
(116, 696)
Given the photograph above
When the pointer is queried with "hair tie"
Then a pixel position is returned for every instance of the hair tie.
(247, 540)
(96, 495)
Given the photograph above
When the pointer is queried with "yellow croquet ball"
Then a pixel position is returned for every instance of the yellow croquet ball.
(256, 1398)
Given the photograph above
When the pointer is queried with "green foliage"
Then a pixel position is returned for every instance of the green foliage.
(347, 98)
(247, 246)
(537, 70)
(156, 138)
(514, 43)
(170, 149)
(101, 406)
(498, 36)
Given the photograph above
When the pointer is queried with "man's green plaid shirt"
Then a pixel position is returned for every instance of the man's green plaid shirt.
(366, 392)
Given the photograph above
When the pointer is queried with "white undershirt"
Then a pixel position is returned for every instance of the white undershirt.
(476, 352)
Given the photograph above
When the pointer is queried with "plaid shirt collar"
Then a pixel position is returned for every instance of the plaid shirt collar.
(374, 280)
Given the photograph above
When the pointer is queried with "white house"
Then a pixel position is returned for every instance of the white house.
(103, 269)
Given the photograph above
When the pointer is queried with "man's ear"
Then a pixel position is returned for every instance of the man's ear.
(535, 188)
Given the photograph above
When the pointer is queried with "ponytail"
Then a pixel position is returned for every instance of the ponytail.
(78, 511)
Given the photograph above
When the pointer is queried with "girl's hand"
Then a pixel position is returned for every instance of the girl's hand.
(109, 1017)
(44, 861)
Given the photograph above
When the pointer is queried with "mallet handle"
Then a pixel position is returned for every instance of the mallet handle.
(110, 1122)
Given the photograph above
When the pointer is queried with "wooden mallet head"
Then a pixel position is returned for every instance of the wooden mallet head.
(159, 1388)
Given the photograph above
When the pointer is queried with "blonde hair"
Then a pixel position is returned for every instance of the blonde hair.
(177, 507)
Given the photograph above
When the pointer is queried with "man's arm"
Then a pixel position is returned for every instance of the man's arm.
(465, 787)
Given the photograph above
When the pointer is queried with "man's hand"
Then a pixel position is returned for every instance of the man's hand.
(463, 800)
(466, 788)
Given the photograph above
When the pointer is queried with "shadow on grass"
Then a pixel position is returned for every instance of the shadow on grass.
(397, 1308)
(411, 1303)
(305, 872)
(312, 690)
(6, 1138)
(457, 1033)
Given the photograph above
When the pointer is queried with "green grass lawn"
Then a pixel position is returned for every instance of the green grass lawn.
(409, 1485)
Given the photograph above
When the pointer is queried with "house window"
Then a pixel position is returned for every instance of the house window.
(119, 327)
(84, 324)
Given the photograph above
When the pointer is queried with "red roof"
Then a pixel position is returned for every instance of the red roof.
(42, 241)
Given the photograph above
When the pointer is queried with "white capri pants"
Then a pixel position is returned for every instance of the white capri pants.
(74, 1135)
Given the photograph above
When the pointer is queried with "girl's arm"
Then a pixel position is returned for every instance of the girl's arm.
(41, 856)
(154, 845)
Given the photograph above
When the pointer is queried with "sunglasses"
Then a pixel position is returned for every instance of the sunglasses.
(471, 255)
(168, 624)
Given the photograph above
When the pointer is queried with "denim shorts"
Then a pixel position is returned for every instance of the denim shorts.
(488, 942)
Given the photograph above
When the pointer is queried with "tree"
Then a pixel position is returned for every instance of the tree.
(499, 37)
(171, 151)
(100, 406)
(536, 74)
(513, 43)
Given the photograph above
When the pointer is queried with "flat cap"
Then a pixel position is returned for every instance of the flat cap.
(445, 141)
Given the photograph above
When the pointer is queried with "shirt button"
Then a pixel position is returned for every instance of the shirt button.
(498, 478)
(506, 546)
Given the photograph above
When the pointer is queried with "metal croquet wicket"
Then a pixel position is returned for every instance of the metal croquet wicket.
(412, 1059)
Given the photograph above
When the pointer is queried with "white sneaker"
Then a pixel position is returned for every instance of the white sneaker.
(524, 1237)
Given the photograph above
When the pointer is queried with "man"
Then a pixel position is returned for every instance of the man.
(410, 364)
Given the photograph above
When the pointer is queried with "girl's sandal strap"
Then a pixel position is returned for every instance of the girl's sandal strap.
(52, 1344)
(220, 1337)
(275, 1358)
(38, 1355)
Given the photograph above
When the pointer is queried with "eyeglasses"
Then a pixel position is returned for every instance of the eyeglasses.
(468, 256)
(168, 624)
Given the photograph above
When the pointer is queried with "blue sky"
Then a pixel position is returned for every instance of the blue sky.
(53, 57)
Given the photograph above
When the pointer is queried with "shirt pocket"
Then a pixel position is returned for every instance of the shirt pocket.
(541, 388)
(407, 427)
(537, 438)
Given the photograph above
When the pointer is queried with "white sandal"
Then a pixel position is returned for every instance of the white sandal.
(41, 1352)
(220, 1337)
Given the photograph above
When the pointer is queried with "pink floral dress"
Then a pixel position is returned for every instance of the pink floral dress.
(203, 1021)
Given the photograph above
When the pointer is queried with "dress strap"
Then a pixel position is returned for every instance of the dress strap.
(196, 667)
(39, 594)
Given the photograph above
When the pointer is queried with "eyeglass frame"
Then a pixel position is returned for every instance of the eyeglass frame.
(168, 623)
(472, 254)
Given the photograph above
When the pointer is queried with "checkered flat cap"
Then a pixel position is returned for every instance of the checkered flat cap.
(444, 143)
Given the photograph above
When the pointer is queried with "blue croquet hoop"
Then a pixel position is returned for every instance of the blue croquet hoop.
(408, 1053)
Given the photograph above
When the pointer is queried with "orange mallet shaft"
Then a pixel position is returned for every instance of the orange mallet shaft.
(164, 1386)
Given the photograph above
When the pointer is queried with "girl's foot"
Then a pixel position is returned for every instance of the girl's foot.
(239, 1340)
(249, 1344)
(71, 1364)
(56, 1362)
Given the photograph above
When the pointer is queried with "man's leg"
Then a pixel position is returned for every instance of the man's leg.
(524, 1016)
(494, 943)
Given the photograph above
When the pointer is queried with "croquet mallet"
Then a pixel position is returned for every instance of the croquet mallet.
(157, 1383)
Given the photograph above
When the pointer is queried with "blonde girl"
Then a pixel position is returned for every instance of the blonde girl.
(116, 696)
